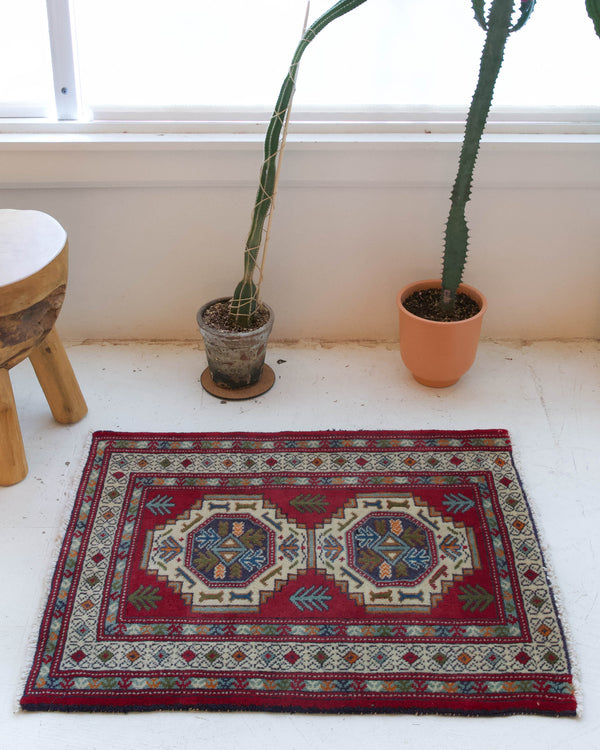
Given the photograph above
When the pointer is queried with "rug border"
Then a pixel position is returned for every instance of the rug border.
(554, 595)
(493, 432)
(308, 710)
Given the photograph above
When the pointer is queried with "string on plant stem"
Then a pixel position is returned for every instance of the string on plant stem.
(244, 301)
(292, 74)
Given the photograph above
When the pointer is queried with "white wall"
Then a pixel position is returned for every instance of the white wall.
(157, 225)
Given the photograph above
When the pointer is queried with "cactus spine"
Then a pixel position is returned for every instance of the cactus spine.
(498, 27)
(245, 298)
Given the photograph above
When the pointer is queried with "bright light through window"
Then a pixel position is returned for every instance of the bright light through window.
(384, 54)
(26, 80)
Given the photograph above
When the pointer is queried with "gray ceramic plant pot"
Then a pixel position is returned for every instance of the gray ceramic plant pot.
(235, 360)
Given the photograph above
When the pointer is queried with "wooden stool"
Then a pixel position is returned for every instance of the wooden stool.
(33, 279)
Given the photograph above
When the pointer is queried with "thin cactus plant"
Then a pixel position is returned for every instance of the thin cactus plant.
(593, 9)
(498, 26)
(244, 302)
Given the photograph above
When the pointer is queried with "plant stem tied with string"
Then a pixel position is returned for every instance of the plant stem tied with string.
(244, 302)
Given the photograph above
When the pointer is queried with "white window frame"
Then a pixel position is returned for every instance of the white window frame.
(71, 118)
(64, 60)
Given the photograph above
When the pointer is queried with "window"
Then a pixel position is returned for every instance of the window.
(195, 59)
(26, 81)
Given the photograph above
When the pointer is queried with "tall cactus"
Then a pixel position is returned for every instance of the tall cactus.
(245, 298)
(498, 27)
(593, 9)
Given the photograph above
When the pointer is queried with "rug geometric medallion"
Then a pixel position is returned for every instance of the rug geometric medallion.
(318, 572)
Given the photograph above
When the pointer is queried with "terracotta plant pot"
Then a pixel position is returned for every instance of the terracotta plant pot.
(438, 354)
(235, 360)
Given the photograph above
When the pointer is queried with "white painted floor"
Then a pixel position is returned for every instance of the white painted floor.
(546, 394)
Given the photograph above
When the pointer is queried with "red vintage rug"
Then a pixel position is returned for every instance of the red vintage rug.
(318, 572)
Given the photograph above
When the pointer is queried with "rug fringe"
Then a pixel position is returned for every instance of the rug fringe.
(550, 573)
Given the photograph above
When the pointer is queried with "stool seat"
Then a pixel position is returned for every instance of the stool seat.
(29, 240)
(33, 280)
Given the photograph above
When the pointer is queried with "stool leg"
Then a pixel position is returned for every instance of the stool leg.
(13, 464)
(57, 379)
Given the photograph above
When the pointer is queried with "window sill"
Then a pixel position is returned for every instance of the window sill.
(152, 154)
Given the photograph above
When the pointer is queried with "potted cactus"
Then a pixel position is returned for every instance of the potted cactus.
(236, 329)
(440, 320)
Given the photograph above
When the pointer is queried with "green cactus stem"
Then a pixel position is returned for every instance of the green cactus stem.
(245, 298)
(593, 9)
(498, 27)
